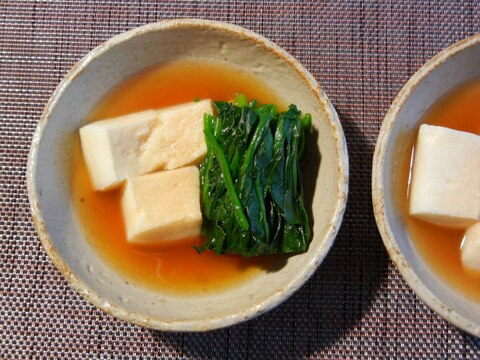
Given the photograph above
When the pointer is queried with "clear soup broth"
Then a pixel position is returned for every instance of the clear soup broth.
(440, 246)
(176, 267)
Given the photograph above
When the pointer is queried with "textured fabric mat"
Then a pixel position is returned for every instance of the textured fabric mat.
(356, 305)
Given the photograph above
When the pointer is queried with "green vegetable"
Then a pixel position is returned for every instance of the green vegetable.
(251, 191)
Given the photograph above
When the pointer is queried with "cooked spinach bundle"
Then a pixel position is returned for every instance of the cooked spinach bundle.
(251, 190)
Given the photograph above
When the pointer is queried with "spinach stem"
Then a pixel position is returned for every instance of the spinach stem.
(237, 205)
(261, 204)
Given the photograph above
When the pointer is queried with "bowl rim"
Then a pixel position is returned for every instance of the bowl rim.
(420, 288)
(214, 322)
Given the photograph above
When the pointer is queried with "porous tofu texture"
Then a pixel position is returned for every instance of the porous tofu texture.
(471, 249)
(445, 186)
(162, 206)
(139, 143)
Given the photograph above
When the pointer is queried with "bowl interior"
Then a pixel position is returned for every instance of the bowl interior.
(457, 65)
(92, 78)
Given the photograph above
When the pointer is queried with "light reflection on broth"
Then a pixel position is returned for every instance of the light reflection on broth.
(175, 267)
(440, 246)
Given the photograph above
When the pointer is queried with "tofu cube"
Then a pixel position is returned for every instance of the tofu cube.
(471, 249)
(162, 206)
(139, 143)
(445, 184)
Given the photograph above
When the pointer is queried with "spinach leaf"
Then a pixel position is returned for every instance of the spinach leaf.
(251, 190)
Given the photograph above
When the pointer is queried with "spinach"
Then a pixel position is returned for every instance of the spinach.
(251, 190)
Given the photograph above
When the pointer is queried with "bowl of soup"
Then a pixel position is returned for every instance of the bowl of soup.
(425, 183)
(143, 74)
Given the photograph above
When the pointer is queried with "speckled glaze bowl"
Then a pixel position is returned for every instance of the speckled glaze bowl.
(106, 66)
(457, 64)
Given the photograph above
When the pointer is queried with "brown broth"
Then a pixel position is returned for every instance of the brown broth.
(440, 246)
(175, 267)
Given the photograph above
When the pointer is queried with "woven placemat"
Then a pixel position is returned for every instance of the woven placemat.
(356, 305)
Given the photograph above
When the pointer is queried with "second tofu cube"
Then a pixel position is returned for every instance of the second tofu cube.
(445, 187)
(471, 249)
(162, 206)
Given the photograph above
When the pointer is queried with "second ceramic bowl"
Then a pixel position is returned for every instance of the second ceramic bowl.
(452, 67)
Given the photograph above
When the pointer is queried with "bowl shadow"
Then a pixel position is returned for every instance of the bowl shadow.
(331, 303)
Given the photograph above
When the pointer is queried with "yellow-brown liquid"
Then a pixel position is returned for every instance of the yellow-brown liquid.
(176, 267)
(440, 246)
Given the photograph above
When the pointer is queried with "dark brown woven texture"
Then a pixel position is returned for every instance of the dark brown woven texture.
(356, 305)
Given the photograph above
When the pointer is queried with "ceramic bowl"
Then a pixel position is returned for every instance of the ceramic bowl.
(456, 65)
(93, 77)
